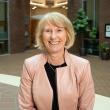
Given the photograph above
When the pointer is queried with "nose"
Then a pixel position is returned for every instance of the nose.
(53, 35)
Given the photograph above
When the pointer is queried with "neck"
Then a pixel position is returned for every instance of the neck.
(56, 58)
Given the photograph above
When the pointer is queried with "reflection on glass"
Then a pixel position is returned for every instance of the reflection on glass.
(3, 28)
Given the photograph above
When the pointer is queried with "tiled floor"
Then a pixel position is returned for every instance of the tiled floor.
(12, 65)
(8, 97)
(101, 75)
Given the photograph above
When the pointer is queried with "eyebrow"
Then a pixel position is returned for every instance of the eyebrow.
(55, 26)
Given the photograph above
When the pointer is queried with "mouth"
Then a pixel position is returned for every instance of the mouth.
(54, 42)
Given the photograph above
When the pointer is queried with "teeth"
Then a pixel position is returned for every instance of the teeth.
(53, 43)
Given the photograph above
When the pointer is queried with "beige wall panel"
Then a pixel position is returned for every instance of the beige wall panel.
(40, 11)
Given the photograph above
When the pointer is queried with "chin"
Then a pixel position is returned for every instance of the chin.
(55, 50)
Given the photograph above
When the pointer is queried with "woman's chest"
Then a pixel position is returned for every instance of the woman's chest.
(66, 83)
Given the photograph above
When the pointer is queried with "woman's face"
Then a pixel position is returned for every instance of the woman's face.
(54, 38)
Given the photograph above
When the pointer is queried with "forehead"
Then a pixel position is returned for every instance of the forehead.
(52, 24)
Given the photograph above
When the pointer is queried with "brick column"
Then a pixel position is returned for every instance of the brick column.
(73, 6)
(16, 26)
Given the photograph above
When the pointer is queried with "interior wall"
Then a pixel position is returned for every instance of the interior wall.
(73, 7)
(16, 28)
(34, 23)
(46, 10)
(90, 9)
(97, 13)
(104, 18)
(17, 40)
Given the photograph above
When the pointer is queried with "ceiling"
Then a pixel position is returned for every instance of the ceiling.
(48, 3)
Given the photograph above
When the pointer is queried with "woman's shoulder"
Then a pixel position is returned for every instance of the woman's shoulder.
(78, 60)
(81, 66)
(33, 59)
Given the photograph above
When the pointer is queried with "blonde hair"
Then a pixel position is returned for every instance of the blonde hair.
(59, 20)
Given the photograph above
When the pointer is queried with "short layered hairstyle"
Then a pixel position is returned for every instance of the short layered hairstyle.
(58, 20)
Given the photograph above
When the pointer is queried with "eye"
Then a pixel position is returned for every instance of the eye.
(59, 30)
(47, 30)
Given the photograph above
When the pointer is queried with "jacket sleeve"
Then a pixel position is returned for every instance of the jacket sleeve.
(86, 89)
(25, 98)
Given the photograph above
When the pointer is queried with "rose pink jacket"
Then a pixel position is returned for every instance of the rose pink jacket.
(74, 84)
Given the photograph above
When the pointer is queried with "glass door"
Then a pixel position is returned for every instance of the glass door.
(91, 9)
(3, 27)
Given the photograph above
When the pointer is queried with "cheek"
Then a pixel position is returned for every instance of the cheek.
(45, 41)
(64, 38)
(44, 38)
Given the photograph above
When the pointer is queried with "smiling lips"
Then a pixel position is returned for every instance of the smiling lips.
(54, 42)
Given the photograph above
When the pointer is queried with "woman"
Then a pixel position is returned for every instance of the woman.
(56, 79)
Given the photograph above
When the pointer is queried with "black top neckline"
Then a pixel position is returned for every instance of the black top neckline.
(57, 66)
(50, 71)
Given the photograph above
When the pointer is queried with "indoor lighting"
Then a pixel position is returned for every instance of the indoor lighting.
(59, 4)
(38, 4)
(34, 7)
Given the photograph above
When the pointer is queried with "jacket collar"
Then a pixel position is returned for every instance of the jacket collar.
(67, 58)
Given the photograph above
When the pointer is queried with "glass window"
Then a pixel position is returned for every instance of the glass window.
(3, 28)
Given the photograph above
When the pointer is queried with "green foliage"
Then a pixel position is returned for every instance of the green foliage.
(81, 25)
(81, 22)
(93, 33)
(104, 47)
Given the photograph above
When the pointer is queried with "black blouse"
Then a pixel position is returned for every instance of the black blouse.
(51, 73)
